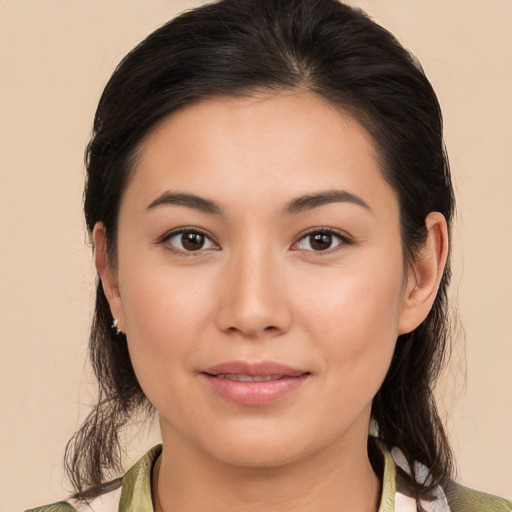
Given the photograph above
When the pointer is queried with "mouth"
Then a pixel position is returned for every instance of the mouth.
(248, 378)
(254, 384)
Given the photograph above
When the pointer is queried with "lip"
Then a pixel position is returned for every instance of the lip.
(254, 393)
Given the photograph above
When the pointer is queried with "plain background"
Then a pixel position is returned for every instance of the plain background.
(55, 58)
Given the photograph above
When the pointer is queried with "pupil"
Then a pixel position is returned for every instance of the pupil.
(192, 241)
(321, 241)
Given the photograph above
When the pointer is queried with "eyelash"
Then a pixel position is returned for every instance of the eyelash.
(343, 240)
(177, 232)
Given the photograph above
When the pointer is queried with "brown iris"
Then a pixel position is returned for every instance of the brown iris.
(320, 241)
(192, 240)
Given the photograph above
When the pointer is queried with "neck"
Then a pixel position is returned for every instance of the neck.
(187, 481)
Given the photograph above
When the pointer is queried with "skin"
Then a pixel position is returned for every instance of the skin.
(259, 290)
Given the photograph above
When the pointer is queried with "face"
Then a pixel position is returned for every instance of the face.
(260, 277)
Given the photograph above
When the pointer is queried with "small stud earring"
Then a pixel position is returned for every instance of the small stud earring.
(115, 325)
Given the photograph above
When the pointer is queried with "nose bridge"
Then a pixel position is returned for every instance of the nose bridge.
(253, 301)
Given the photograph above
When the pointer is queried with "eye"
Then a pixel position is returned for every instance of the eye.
(189, 240)
(321, 240)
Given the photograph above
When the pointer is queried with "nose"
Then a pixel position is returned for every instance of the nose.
(253, 301)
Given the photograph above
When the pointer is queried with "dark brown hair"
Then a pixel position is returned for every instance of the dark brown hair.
(237, 47)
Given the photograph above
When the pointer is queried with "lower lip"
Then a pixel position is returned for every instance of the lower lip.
(255, 393)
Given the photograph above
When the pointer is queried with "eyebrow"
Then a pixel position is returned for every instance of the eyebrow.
(295, 206)
(187, 200)
(310, 201)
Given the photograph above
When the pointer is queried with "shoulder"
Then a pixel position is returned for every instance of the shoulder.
(450, 498)
(107, 502)
(132, 492)
(61, 506)
(463, 499)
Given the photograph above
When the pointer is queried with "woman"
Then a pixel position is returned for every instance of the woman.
(270, 205)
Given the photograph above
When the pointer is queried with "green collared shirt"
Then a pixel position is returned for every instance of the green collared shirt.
(134, 494)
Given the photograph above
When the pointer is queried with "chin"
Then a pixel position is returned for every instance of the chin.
(261, 449)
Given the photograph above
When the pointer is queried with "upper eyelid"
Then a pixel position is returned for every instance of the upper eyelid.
(176, 231)
(323, 229)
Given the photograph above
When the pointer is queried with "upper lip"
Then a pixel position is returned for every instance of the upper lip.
(255, 369)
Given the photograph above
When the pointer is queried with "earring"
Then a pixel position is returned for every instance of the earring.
(115, 325)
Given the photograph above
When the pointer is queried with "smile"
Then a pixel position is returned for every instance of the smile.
(248, 378)
(254, 384)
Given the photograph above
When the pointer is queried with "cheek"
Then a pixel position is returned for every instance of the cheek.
(355, 321)
(166, 313)
(158, 296)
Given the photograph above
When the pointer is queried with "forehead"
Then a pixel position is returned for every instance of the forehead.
(271, 145)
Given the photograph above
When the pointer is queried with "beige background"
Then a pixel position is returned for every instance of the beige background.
(55, 57)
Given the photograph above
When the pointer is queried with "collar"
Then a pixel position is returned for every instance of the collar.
(135, 493)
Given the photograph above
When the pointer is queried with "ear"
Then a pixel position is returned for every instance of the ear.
(425, 274)
(107, 274)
